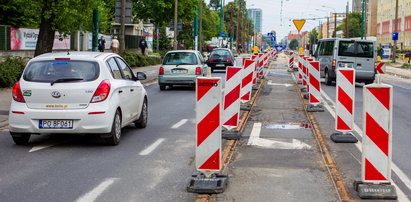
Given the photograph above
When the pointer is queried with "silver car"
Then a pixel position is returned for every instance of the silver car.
(336, 53)
(181, 67)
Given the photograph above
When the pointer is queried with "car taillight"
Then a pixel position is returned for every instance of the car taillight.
(161, 71)
(228, 60)
(198, 71)
(211, 60)
(16, 92)
(334, 64)
(102, 92)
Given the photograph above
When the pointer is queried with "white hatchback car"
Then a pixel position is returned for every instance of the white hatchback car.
(81, 93)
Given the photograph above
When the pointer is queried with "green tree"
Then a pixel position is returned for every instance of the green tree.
(313, 36)
(12, 13)
(354, 25)
(293, 44)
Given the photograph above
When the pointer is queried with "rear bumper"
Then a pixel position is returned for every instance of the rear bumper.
(176, 80)
(216, 65)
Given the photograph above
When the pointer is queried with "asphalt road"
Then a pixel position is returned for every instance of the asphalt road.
(151, 164)
(401, 125)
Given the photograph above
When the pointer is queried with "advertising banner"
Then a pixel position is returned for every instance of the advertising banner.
(26, 39)
(107, 38)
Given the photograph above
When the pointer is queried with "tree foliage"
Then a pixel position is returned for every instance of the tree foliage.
(293, 44)
(313, 36)
(354, 25)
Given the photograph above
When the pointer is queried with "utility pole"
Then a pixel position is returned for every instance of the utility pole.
(394, 52)
(231, 29)
(95, 30)
(221, 21)
(244, 33)
(335, 25)
(328, 27)
(175, 24)
(196, 30)
(362, 18)
(200, 27)
(122, 26)
(346, 22)
(238, 28)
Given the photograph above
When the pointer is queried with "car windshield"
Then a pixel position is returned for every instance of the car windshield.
(346, 48)
(50, 71)
(365, 49)
(220, 52)
(180, 58)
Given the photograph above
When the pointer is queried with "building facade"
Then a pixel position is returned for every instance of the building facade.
(386, 23)
(356, 5)
(372, 6)
(256, 15)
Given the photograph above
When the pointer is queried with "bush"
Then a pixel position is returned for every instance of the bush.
(10, 70)
(138, 60)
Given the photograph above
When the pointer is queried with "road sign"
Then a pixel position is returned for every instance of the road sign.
(299, 24)
(222, 34)
(395, 36)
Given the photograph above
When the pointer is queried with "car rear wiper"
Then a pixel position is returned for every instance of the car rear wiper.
(65, 80)
(183, 64)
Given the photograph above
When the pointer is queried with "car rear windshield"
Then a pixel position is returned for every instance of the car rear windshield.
(180, 58)
(49, 71)
(356, 49)
(220, 53)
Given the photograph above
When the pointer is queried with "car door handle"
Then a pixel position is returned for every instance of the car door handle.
(120, 91)
(131, 90)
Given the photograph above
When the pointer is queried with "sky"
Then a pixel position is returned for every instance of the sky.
(294, 9)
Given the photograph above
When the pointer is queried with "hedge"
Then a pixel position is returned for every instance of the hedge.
(137, 60)
(10, 70)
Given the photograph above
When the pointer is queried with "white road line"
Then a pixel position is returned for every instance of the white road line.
(403, 177)
(152, 147)
(43, 146)
(97, 191)
(179, 124)
(255, 133)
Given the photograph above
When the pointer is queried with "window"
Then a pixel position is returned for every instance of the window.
(326, 48)
(221, 52)
(115, 71)
(365, 50)
(346, 48)
(180, 58)
(201, 58)
(49, 71)
(127, 73)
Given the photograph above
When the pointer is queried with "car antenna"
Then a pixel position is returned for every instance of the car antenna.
(61, 37)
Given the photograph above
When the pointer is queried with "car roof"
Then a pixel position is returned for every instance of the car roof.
(182, 51)
(75, 55)
(345, 39)
(221, 49)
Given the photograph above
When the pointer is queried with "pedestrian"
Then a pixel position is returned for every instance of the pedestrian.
(114, 45)
(101, 44)
(143, 45)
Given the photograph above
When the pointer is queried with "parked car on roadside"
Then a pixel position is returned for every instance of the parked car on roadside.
(220, 58)
(79, 93)
(336, 53)
(181, 67)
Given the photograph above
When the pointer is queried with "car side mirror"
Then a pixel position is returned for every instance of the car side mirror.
(141, 76)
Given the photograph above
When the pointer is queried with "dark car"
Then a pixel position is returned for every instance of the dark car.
(220, 58)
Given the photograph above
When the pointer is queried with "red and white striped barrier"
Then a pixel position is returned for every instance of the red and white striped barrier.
(232, 92)
(256, 60)
(379, 69)
(305, 76)
(291, 61)
(247, 81)
(377, 144)
(243, 61)
(208, 128)
(266, 58)
(345, 100)
(314, 87)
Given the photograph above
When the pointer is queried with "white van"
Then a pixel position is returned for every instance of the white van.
(335, 53)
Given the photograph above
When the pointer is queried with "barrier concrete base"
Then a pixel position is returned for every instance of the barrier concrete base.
(315, 108)
(261, 77)
(299, 81)
(215, 184)
(231, 134)
(255, 87)
(245, 107)
(340, 137)
(303, 89)
(306, 96)
(375, 191)
(290, 70)
(258, 80)
(295, 69)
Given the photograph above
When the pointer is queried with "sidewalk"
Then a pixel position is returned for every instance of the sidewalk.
(278, 158)
(5, 93)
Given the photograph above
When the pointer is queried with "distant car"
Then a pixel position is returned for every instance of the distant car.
(80, 93)
(181, 67)
(220, 58)
(336, 53)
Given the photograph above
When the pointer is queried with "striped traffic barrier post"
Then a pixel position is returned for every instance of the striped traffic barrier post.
(231, 106)
(256, 59)
(208, 138)
(315, 104)
(291, 62)
(247, 84)
(260, 67)
(304, 88)
(243, 61)
(300, 69)
(307, 74)
(379, 69)
(377, 143)
(345, 100)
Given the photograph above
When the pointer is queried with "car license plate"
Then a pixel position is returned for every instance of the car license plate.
(180, 71)
(220, 65)
(56, 124)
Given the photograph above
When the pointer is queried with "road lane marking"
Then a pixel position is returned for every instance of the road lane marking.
(403, 177)
(279, 84)
(179, 124)
(97, 191)
(255, 140)
(152, 147)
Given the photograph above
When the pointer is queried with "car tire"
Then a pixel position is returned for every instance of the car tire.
(115, 134)
(328, 80)
(20, 138)
(162, 87)
(141, 122)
